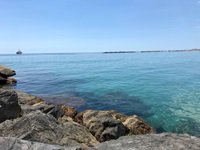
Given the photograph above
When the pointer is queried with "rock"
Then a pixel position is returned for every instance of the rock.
(40, 127)
(164, 141)
(11, 143)
(25, 98)
(30, 103)
(6, 72)
(3, 80)
(107, 125)
(11, 81)
(69, 111)
(9, 107)
(101, 124)
(57, 112)
(134, 124)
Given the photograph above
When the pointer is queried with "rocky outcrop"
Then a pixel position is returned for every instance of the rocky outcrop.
(5, 73)
(11, 143)
(45, 128)
(107, 125)
(164, 141)
(9, 107)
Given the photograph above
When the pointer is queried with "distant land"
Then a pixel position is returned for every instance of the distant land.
(155, 51)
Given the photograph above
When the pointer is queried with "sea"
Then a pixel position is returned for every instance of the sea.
(161, 88)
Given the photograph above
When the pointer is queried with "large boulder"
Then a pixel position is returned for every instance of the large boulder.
(164, 141)
(45, 128)
(11, 143)
(6, 72)
(9, 107)
(107, 125)
(134, 124)
(101, 124)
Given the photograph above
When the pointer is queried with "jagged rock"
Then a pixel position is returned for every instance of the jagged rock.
(31, 103)
(69, 111)
(6, 72)
(106, 125)
(134, 124)
(11, 143)
(57, 112)
(164, 141)
(101, 124)
(45, 128)
(9, 107)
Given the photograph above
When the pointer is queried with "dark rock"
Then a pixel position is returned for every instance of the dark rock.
(164, 141)
(9, 107)
(11, 143)
(3, 80)
(45, 128)
(11, 81)
(57, 112)
(6, 72)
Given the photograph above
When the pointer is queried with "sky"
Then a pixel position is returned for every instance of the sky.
(65, 26)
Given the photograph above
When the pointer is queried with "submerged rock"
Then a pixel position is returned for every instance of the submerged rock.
(9, 107)
(164, 141)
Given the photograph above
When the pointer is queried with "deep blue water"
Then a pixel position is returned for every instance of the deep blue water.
(162, 88)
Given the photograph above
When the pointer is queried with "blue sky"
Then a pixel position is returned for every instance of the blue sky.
(50, 26)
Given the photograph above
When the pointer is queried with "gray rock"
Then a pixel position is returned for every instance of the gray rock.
(6, 72)
(101, 124)
(164, 141)
(11, 143)
(25, 98)
(9, 107)
(45, 128)
(107, 125)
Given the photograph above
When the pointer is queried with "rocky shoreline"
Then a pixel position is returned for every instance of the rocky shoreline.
(28, 122)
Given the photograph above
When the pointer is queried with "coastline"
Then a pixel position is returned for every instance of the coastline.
(153, 51)
(27, 119)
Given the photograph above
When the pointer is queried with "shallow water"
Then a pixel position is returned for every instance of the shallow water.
(162, 88)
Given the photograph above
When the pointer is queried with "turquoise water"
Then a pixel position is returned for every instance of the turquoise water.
(162, 88)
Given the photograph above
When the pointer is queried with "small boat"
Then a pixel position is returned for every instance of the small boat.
(19, 51)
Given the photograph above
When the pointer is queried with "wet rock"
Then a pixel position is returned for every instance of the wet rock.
(6, 72)
(11, 143)
(45, 128)
(9, 107)
(164, 141)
